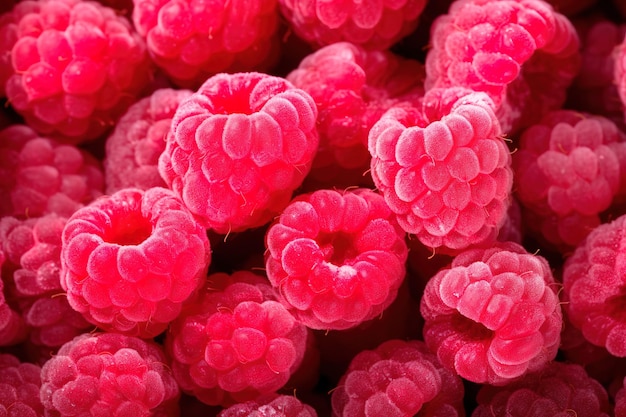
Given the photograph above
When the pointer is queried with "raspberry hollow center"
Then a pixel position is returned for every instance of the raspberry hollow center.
(338, 247)
(471, 329)
(128, 229)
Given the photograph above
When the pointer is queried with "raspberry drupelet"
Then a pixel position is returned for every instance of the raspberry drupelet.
(238, 148)
(130, 260)
(270, 406)
(75, 66)
(109, 375)
(235, 342)
(19, 388)
(336, 259)
(493, 314)
(444, 170)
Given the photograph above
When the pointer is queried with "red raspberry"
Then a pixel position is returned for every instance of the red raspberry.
(371, 24)
(236, 342)
(12, 329)
(492, 316)
(619, 55)
(272, 406)
(134, 147)
(75, 66)
(336, 259)
(109, 375)
(41, 176)
(566, 174)
(238, 148)
(192, 40)
(130, 260)
(19, 388)
(446, 172)
(399, 378)
(508, 49)
(352, 88)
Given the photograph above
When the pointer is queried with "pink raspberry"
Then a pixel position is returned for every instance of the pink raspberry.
(398, 379)
(41, 176)
(19, 388)
(371, 24)
(508, 49)
(566, 174)
(352, 88)
(130, 260)
(271, 406)
(12, 329)
(619, 55)
(236, 342)
(134, 147)
(336, 259)
(109, 375)
(559, 389)
(493, 315)
(444, 171)
(75, 66)
(192, 40)
(238, 148)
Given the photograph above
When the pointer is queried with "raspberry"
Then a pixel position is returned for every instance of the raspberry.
(619, 55)
(566, 174)
(492, 316)
(371, 24)
(19, 388)
(75, 66)
(336, 259)
(273, 406)
(399, 378)
(130, 260)
(352, 88)
(134, 147)
(238, 148)
(192, 40)
(508, 49)
(108, 374)
(41, 176)
(558, 389)
(236, 342)
(445, 172)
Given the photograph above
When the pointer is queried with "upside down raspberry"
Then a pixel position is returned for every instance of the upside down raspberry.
(235, 342)
(271, 406)
(130, 260)
(493, 315)
(444, 170)
(238, 148)
(19, 384)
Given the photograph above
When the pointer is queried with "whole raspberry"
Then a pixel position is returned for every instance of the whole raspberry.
(566, 174)
(235, 342)
(108, 374)
(271, 406)
(130, 260)
(559, 389)
(238, 148)
(522, 53)
(75, 66)
(619, 55)
(41, 176)
(493, 315)
(192, 40)
(371, 24)
(398, 379)
(12, 329)
(336, 259)
(352, 88)
(19, 388)
(134, 147)
(444, 171)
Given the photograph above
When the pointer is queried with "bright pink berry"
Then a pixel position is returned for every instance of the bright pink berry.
(192, 40)
(109, 375)
(235, 342)
(19, 388)
(238, 148)
(493, 315)
(271, 406)
(131, 259)
(134, 147)
(444, 170)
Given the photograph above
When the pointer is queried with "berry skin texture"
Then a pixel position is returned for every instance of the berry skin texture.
(191, 40)
(235, 342)
(444, 170)
(336, 259)
(273, 406)
(398, 379)
(75, 66)
(130, 260)
(238, 148)
(109, 375)
(375, 25)
(134, 147)
(19, 387)
(492, 316)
